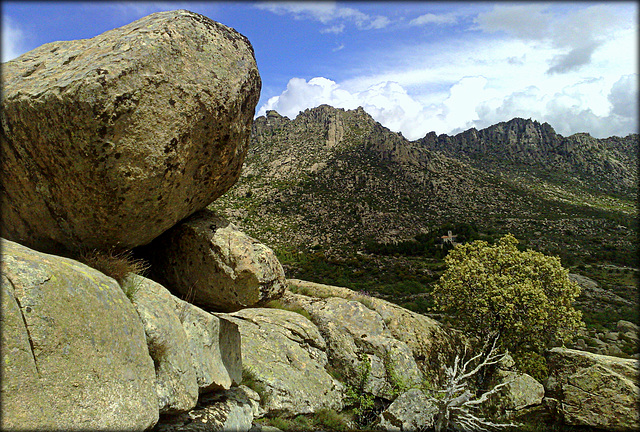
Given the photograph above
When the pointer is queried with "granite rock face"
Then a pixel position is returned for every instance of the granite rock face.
(426, 339)
(360, 346)
(194, 352)
(74, 354)
(284, 352)
(109, 141)
(594, 390)
(231, 410)
(209, 261)
(411, 411)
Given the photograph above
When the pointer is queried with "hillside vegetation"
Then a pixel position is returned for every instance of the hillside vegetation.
(343, 200)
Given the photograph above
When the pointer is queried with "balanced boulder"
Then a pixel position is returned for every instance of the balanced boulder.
(214, 265)
(108, 142)
(74, 354)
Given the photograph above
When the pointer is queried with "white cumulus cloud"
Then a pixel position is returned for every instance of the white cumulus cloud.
(326, 12)
(575, 35)
(430, 18)
(13, 39)
(388, 103)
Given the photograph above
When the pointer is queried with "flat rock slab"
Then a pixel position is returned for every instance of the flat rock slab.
(110, 141)
(74, 354)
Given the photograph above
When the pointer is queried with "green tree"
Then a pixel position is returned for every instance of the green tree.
(525, 296)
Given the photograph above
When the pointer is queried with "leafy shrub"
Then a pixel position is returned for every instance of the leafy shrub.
(524, 296)
(250, 379)
(532, 363)
(331, 419)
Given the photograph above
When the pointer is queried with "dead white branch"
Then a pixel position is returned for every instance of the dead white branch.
(455, 401)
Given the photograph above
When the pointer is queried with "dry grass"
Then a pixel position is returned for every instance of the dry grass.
(114, 264)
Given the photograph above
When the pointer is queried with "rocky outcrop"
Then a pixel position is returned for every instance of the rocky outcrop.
(519, 392)
(594, 390)
(74, 354)
(230, 410)
(527, 144)
(110, 141)
(360, 346)
(329, 183)
(425, 337)
(593, 291)
(193, 351)
(285, 355)
(214, 265)
(411, 411)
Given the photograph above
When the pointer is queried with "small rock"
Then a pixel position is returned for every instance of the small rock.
(411, 411)
(612, 336)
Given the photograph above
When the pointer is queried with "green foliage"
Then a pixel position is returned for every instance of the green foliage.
(525, 296)
(323, 419)
(331, 419)
(250, 379)
(398, 385)
(427, 244)
(532, 363)
(356, 396)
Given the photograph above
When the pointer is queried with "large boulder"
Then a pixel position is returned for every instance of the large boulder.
(429, 342)
(284, 355)
(74, 354)
(360, 346)
(110, 141)
(193, 351)
(594, 390)
(214, 265)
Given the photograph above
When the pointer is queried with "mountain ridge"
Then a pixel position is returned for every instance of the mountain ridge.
(335, 179)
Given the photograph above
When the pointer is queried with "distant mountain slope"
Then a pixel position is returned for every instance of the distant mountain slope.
(528, 147)
(333, 179)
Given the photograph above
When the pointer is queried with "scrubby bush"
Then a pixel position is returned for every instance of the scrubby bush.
(524, 296)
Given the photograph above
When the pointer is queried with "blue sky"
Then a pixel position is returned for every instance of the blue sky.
(415, 67)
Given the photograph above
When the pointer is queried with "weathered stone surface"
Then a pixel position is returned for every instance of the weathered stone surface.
(424, 336)
(593, 291)
(627, 327)
(360, 346)
(193, 351)
(208, 260)
(74, 355)
(215, 347)
(176, 382)
(285, 353)
(230, 410)
(110, 141)
(411, 411)
(594, 390)
(522, 391)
